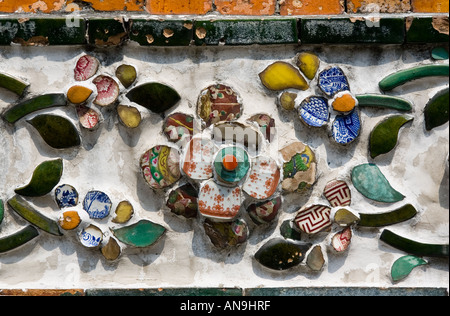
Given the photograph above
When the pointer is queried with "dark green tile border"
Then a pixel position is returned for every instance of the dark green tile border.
(161, 33)
(346, 291)
(421, 30)
(166, 292)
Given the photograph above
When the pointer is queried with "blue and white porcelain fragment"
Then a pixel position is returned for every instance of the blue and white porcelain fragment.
(314, 111)
(97, 204)
(66, 196)
(333, 80)
(91, 236)
(346, 127)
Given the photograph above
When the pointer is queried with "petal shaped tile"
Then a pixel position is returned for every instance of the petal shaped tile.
(263, 179)
(338, 193)
(156, 97)
(281, 76)
(266, 125)
(346, 128)
(129, 116)
(126, 74)
(403, 266)
(308, 63)
(266, 211)
(183, 201)
(219, 202)
(233, 133)
(198, 158)
(344, 216)
(91, 236)
(107, 90)
(341, 240)
(313, 111)
(286, 100)
(123, 213)
(86, 67)
(160, 166)
(398, 215)
(313, 219)
(315, 259)
(333, 80)
(88, 117)
(370, 182)
(78, 94)
(179, 126)
(437, 110)
(17, 239)
(69, 220)
(97, 204)
(226, 234)
(141, 234)
(439, 53)
(111, 251)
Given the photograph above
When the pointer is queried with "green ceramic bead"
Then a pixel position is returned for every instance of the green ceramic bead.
(154, 96)
(403, 266)
(18, 239)
(401, 214)
(383, 101)
(437, 110)
(13, 84)
(141, 234)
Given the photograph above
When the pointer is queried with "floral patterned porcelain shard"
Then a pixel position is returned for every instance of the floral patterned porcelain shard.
(218, 202)
(66, 196)
(314, 112)
(160, 166)
(97, 204)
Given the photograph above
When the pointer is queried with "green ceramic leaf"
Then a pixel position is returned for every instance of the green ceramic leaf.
(34, 104)
(383, 137)
(141, 234)
(2, 210)
(12, 84)
(156, 97)
(24, 209)
(45, 177)
(436, 111)
(370, 182)
(18, 239)
(403, 266)
(280, 254)
(403, 76)
(401, 214)
(414, 247)
(57, 131)
(384, 101)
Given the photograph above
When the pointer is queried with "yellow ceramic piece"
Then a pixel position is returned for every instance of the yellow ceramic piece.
(78, 94)
(287, 100)
(129, 116)
(308, 64)
(111, 251)
(69, 220)
(124, 211)
(281, 75)
(344, 102)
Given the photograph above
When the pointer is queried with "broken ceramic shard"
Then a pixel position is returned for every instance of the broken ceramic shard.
(313, 219)
(78, 94)
(29, 213)
(384, 135)
(86, 67)
(337, 193)
(280, 254)
(437, 110)
(97, 204)
(370, 182)
(18, 238)
(124, 211)
(343, 102)
(313, 111)
(45, 177)
(384, 101)
(198, 158)
(34, 104)
(107, 90)
(439, 53)
(333, 80)
(126, 75)
(111, 251)
(315, 259)
(154, 96)
(398, 215)
(218, 103)
(414, 247)
(231, 165)
(264, 212)
(341, 240)
(69, 220)
(346, 127)
(91, 236)
(129, 116)
(141, 234)
(57, 131)
(403, 266)
(183, 201)
(403, 76)
(299, 168)
(263, 179)
(2, 211)
(160, 166)
(226, 234)
(281, 75)
(266, 125)
(287, 100)
(344, 216)
(288, 230)
(88, 117)
(219, 202)
(308, 63)
(13, 84)
(179, 126)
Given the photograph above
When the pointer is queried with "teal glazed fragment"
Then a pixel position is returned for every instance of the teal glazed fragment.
(384, 136)
(399, 215)
(437, 110)
(13, 84)
(439, 53)
(141, 234)
(154, 96)
(370, 182)
(384, 101)
(280, 254)
(414, 247)
(403, 266)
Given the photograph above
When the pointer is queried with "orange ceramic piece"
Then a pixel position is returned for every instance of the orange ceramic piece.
(179, 6)
(230, 162)
(344, 103)
(246, 7)
(437, 6)
(311, 7)
(78, 94)
(379, 6)
(18, 6)
(115, 5)
(69, 220)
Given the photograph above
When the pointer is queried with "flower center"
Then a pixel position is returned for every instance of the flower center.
(230, 162)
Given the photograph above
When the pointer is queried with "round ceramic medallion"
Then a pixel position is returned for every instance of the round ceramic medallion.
(160, 166)
(97, 204)
(231, 164)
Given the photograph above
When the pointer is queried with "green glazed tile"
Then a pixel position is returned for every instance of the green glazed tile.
(421, 30)
(384, 101)
(45, 177)
(141, 234)
(436, 111)
(23, 108)
(161, 33)
(347, 31)
(288, 231)
(370, 182)
(126, 74)
(154, 96)
(166, 292)
(24, 209)
(57, 131)
(414, 247)
(403, 266)
(2, 211)
(18, 238)
(280, 254)
(345, 291)
(13, 84)
(399, 215)
(246, 32)
(106, 32)
(383, 137)
(439, 53)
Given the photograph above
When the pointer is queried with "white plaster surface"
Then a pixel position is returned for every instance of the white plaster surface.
(108, 161)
